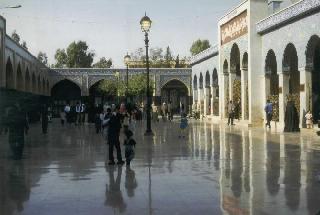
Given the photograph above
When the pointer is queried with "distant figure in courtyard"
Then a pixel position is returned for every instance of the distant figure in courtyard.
(164, 110)
(18, 126)
(170, 111)
(113, 137)
(183, 125)
(78, 114)
(155, 113)
(44, 119)
(129, 144)
(98, 121)
(83, 114)
(268, 109)
(309, 120)
(230, 112)
(62, 117)
(291, 118)
(67, 110)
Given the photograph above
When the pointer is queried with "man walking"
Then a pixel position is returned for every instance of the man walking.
(44, 119)
(230, 113)
(114, 127)
(268, 109)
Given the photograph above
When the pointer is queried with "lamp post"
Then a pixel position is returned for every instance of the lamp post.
(117, 74)
(145, 23)
(127, 59)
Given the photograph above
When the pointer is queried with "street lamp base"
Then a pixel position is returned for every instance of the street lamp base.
(149, 133)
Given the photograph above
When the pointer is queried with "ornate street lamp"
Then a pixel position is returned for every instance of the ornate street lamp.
(145, 23)
(127, 59)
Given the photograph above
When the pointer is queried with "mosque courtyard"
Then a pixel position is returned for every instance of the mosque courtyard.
(215, 169)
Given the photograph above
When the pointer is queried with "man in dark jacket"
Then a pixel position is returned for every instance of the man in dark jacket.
(44, 119)
(114, 127)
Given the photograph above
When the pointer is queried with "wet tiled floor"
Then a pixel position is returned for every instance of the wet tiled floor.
(214, 170)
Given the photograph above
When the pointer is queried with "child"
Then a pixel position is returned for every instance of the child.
(309, 120)
(129, 144)
(183, 125)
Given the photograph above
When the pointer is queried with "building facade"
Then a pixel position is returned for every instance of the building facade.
(267, 50)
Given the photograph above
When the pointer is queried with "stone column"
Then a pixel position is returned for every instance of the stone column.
(283, 92)
(213, 98)
(232, 77)
(305, 92)
(206, 100)
(195, 99)
(244, 84)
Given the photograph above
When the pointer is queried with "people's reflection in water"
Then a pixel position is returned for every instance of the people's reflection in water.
(313, 185)
(236, 170)
(292, 175)
(273, 168)
(131, 182)
(114, 197)
(18, 187)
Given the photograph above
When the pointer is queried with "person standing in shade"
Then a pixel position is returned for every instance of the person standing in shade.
(82, 114)
(78, 114)
(170, 114)
(44, 119)
(230, 113)
(67, 110)
(291, 118)
(18, 126)
(268, 109)
(113, 137)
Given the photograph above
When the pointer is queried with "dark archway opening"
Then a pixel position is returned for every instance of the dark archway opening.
(64, 92)
(19, 78)
(313, 60)
(215, 93)
(9, 75)
(176, 92)
(236, 82)
(272, 83)
(290, 66)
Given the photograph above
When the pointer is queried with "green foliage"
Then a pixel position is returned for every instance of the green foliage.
(103, 63)
(199, 46)
(15, 36)
(61, 58)
(107, 87)
(24, 45)
(76, 55)
(43, 58)
(137, 86)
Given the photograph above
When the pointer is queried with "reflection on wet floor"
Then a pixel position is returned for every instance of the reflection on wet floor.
(215, 170)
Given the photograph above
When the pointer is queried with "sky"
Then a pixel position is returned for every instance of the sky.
(111, 28)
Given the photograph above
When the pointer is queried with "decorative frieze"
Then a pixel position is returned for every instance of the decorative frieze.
(289, 14)
(210, 52)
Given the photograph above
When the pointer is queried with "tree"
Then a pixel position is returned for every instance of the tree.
(61, 58)
(168, 56)
(43, 58)
(156, 54)
(177, 65)
(15, 36)
(107, 87)
(24, 45)
(103, 63)
(76, 55)
(199, 46)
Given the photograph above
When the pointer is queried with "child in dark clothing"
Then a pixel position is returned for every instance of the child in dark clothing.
(129, 144)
